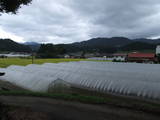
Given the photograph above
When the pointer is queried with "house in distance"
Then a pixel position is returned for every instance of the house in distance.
(158, 50)
(141, 57)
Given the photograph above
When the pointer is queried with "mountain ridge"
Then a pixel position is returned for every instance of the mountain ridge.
(8, 45)
(99, 44)
(114, 44)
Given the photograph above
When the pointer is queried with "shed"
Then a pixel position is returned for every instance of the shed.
(141, 57)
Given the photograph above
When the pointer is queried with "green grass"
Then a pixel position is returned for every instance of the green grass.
(5, 62)
(69, 97)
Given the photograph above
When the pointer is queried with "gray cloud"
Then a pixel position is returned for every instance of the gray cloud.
(65, 21)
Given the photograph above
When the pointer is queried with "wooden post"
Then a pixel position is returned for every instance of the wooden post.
(32, 57)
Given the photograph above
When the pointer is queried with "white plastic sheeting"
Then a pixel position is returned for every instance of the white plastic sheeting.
(124, 78)
(101, 58)
(14, 55)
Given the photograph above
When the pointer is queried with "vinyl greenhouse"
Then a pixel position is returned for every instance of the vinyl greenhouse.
(122, 78)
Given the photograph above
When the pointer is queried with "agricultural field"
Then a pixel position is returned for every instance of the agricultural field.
(5, 62)
(141, 80)
(125, 93)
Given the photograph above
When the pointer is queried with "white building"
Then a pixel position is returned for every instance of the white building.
(67, 56)
(119, 56)
(12, 55)
(158, 49)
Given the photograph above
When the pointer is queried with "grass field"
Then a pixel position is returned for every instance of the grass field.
(5, 62)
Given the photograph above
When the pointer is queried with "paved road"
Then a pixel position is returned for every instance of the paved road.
(66, 110)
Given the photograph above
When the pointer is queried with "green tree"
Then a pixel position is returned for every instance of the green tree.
(11, 6)
(50, 51)
(60, 49)
(83, 54)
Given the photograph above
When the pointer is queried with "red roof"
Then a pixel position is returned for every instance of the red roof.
(141, 55)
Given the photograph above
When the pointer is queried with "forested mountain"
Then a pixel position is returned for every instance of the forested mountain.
(101, 45)
(33, 45)
(111, 45)
(7, 45)
(138, 46)
(98, 45)
(107, 42)
(151, 41)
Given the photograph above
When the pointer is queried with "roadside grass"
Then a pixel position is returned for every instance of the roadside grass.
(62, 96)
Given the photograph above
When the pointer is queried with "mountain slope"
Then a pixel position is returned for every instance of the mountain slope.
(108, 42)
(114, 44)
(151, 41)
(98, 45)
(11, 46)
(33, 45)
(138, 46)
(102, 45)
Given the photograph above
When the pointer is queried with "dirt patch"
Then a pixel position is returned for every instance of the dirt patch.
(26, 114)
(20, 113)
(46, 109)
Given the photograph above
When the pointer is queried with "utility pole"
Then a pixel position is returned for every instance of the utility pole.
(32, 57)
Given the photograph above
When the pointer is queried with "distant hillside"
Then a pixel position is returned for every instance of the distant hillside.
(151, 41)
(107, 42)
(111, 45)
(33, 45)
(11, 46)
(138, 46)
(99, 44)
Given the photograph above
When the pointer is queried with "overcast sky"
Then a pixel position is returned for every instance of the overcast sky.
(66, 21)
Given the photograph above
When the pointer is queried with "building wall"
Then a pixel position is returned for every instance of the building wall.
(140, 59)
(121, 58)
(158, 49)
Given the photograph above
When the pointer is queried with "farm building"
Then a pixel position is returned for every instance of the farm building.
(67, 56)
(14, 55)
(158, 50)
(119, 56)
(141, 57)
